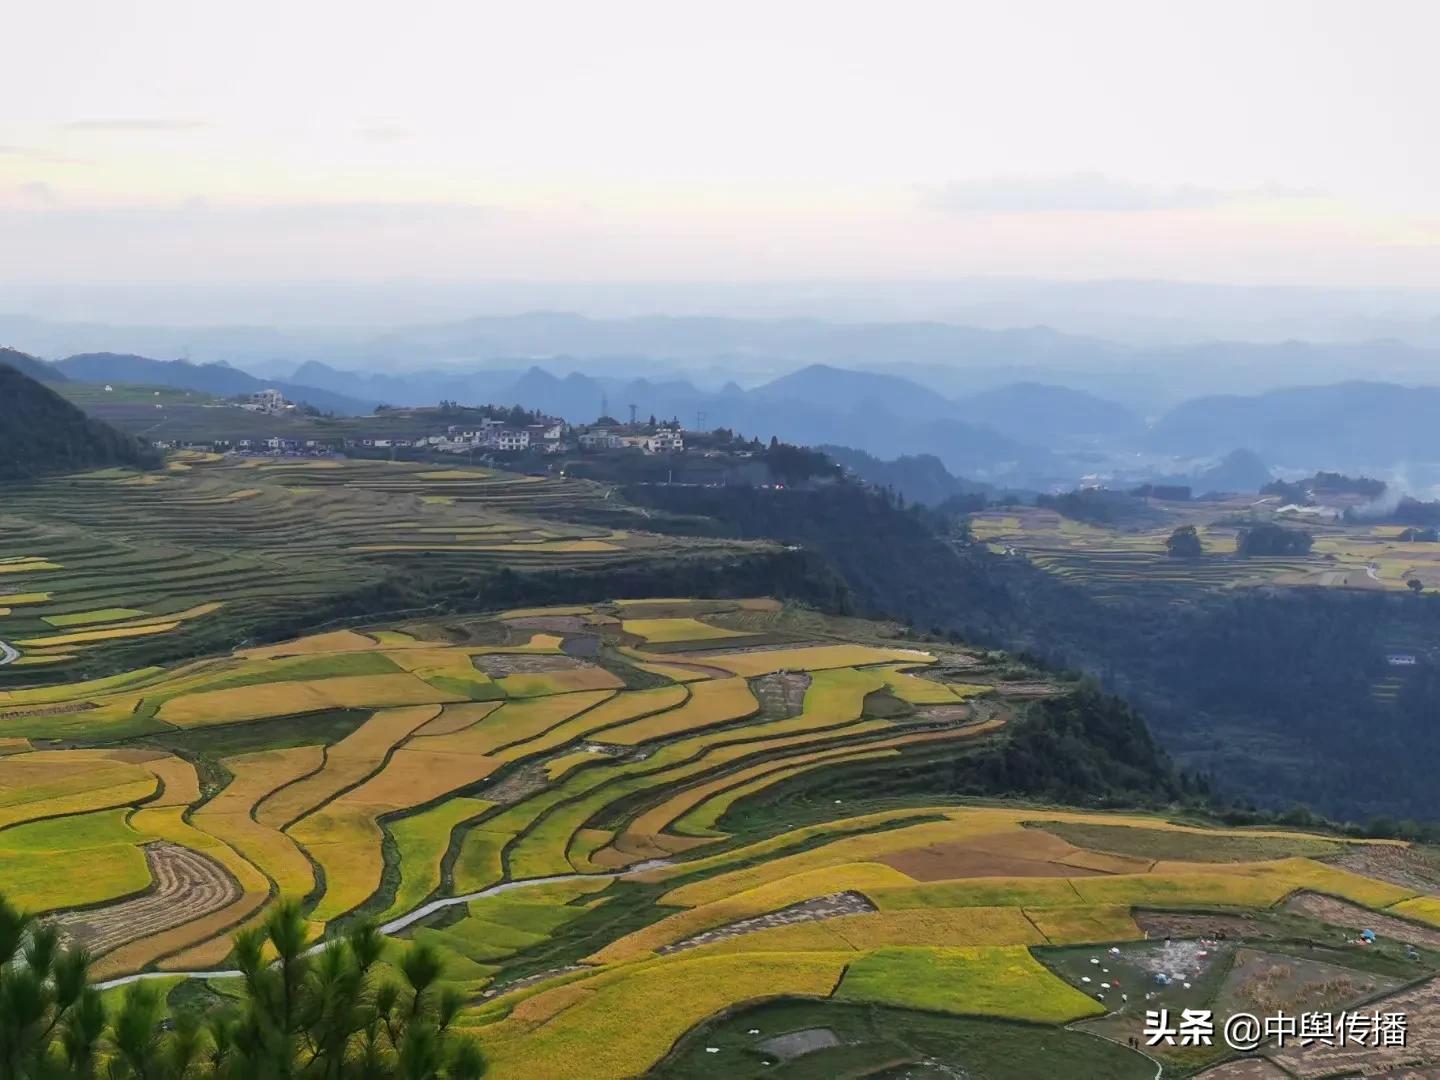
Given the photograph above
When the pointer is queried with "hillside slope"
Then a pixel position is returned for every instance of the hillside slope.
(29, 365)
(210, 378)
(41, 432)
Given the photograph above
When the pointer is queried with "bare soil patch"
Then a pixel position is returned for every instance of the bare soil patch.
(1167, 924)
(781, 695)
(1354, 917)
(1244, 1069)
(188, 886)
(1266, 983)
(564, 624)
(520, 784)
(822, 907)
(1420, 1004)
(502, 664)
(1403, 866)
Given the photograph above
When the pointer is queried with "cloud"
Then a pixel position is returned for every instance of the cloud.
(385, 133)
(135, 124)
(33, 154)
(1083, 193)
(38, 193)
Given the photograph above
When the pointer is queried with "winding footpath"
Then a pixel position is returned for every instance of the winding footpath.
(394, 926)
(8, 653)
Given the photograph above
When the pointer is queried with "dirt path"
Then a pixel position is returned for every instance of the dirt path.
(822, 907)
(8, 653)
(188, 886)
(394, 926)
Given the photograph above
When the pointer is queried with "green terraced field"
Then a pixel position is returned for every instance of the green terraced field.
(571, 852)
(221, 546)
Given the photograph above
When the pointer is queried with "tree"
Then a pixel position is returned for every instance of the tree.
(50, 1021)
(1415, 585)
(1184, 543)
(326, 1014)
(1267, 539)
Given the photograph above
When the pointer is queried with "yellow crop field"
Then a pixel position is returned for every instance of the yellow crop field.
(611, 711)
(285, 698)
(715, 798)
(46, 695)
(111, 872)
(654, 1004)
(944, 927)
(681, 629)
(718, 701)
(515, 722)
(422, 840)
(25, 565)
(917, 691)
(1084, 925)
(544, 683)
(557, 767)
(772, 896)
(533, 612)
(346, 842)
(851, 849)
(347, 762)
(180, 784)
(414, 777)
(16, 599)
(458, 717)
(478, 864)
(680, 807)
(816, 658)
(335, 641)
(53, 783)
(84, 618)
(227, 815)
(89, 636)
(763, 849)
(556, 546)
(1001, 981)
(1425, 909)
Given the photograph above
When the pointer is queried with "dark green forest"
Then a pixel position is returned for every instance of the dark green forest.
(1270, 692)
(41, 432)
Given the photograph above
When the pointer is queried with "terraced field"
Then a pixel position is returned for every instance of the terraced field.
(1114, 562)
(567, 843)
(113, 570)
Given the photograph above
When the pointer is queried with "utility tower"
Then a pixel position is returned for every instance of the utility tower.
(632, 414)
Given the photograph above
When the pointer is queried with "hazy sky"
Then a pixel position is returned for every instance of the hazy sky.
(1277, 141)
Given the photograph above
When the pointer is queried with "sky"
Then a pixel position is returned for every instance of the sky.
(1282, 142)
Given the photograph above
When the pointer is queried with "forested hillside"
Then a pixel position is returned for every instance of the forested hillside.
(41, 432)
(1271, 692)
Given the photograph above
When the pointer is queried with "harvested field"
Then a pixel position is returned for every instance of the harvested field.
(1421, 1006)
(779, 695)
(501, 664)
(1407, 867)
(187, 885)
(822, 907)
(1353, 917)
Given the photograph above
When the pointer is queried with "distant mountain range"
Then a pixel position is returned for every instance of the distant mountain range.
(41, 432)
(951, 359)
(1026, 433)
(1342, 425)
(219, 379)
